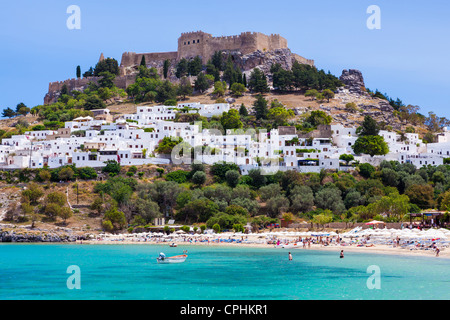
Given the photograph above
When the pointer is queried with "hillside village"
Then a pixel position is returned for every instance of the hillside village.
(131, 139)
(256, 135)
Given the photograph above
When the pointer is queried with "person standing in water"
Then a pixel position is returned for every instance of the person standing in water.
(290, 256)
(342, 254)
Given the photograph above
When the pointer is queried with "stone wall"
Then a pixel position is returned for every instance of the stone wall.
(342, 225)
(252, 49)
(54, 88)
(191, 44)
(131, 59)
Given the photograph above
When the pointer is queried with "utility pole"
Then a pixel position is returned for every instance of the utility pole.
(77, 190)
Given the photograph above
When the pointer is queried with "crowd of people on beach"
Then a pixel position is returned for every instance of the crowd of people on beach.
(270, 240)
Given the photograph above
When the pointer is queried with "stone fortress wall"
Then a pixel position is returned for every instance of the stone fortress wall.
(122, 81)
(190, 45)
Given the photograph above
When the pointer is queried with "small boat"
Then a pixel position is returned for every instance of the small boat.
(173, 245)
(174, 259)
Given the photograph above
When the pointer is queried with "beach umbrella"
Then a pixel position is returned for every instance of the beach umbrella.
(373, 222)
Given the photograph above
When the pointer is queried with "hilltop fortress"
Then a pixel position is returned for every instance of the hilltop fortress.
(199, 43)
(249, 49)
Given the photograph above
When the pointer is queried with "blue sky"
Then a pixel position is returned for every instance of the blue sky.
(406, 58)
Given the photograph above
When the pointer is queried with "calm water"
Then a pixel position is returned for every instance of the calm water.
(38, 271)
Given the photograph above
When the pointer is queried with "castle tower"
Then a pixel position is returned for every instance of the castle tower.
(192, 44)
(102, 57)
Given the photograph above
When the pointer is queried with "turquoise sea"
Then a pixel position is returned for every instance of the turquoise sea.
(124, 272)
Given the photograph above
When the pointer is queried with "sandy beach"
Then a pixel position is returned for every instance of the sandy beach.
(287, 243)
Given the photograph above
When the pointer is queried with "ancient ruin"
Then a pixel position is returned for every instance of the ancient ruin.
(250, 50)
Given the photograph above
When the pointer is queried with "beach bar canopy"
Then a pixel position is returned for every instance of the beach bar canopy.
(433, 214)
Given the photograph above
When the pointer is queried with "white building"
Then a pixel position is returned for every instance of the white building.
(132, 140)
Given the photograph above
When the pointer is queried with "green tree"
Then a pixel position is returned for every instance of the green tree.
(22, 109)
(8, 113)
(280, 115)
(322, 219)
(232, 178)
(282, 79)
(199, 210)
(258, 179)
(260, 107)
(445, 202)
(353, 199)
(372, 145)
(395, 206)
(201, 83)
(107, 80)
(52, 210)
(217, 61)
(351, 107)
(216, 228)
(184, 88)
(270, 191)
(311, 93)
(318, 117)
(182, 68)
(199, 178)
(258, 81)
(143, 63)
(276, 205)
(330, 198)
(78, 72)
(116, 218)
(94, 102)
(109, 65)
(219, 170)
(97, 205)
(65, 213)
(369, 127)
(366, 170)
(212, 71)
(347, 158)
(44, 175)
(238, 89)
(112, 167)
(219, 88)
(243, 111)
(231, 120)
(179, 176)
(166, 145)
(88, 73)
(195, 66)
(66, 174)
(87, 173)
(232, 73)
(56, 197)
(328, 94)
(421, 195)
(147, 209)
(33, 192)
(166, 91)
(435, 123)
(302, 199)
(166, 67)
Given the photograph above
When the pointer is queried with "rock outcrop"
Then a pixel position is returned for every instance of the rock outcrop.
(15, 234)
(264, 60)
(353, 81)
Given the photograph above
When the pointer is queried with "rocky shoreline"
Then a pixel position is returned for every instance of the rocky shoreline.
(26, 234)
